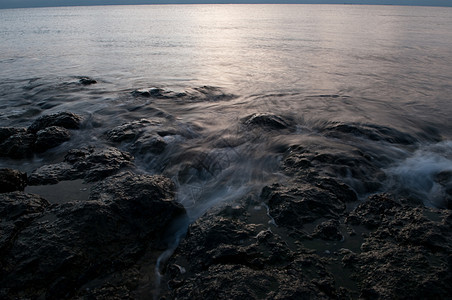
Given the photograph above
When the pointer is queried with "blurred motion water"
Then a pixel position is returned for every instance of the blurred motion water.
(317, 65)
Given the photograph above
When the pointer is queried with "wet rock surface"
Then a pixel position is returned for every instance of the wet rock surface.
(86, 248)
(46, 132)
(63, 119)
(18, 145)
(347, 166)
(268, 121)
(197, 94)
(140, 137)
(50, 137)
(12, 180)
(316, 238)
(323, 229)
(227, 257)
(369, 131)
(382, 249)
(87, 81)
(407, 252)
(88, 163)
(6, 132)
(293, 206)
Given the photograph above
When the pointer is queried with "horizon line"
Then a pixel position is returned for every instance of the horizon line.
(176, 2)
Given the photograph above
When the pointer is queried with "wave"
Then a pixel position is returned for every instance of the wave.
(425, 175)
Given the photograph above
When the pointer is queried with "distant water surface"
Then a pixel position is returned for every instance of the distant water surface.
(318, 64)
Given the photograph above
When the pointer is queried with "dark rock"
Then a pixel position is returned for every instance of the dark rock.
(344, 167)
(87, 163)
(50, 137)
(199, 94)
(267, 121)
(140, 137)
(128, 132)
(87, 81)
(151, 92)
(19, 145)
(293, 206)
(369, 131)
(17, 210)
(372, 212)
(89, 243)
(12, 180)
(225, 257)
(6, 132)
(407, 254)
(149, 143)
(63, 119)
(328, 230)
(17, 205)
(341, 190)
(206, 93)
(52, 174)
(444, 178)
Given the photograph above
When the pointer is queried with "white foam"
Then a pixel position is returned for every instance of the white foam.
(417, 172)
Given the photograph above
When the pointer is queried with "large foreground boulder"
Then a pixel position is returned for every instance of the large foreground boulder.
(226, 255)
(52, 252)
(382, 249)
(407, 253)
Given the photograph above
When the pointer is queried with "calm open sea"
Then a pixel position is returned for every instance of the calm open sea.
(383, 66)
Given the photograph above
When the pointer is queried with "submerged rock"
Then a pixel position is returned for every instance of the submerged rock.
(128, 132)
(152, 92)
(444, 179)
(343, 164)
(97, 243)
(369, 131)
(87, 163)
(140, 137)
(198, 94)
(63, 119)
(12, 180)
(267, 121)
(207, 93)
(87, 81)
(149, 143)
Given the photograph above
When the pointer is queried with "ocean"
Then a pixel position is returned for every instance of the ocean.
(384, 69)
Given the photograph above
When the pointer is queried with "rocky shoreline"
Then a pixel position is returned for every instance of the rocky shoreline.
(307, 237)
(316, 241)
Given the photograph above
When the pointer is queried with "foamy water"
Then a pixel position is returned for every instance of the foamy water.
(419, 172)
(316, 65)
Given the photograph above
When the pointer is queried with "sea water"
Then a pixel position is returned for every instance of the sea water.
(319, 65)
